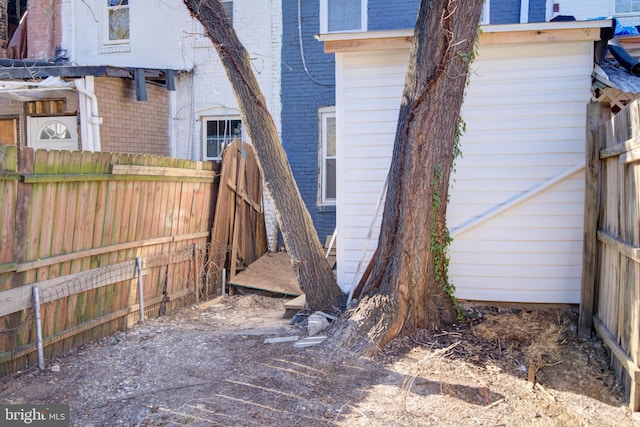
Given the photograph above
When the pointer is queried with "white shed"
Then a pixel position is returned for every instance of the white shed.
(517, 196)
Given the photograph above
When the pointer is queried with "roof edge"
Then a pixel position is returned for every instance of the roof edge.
(491, 35)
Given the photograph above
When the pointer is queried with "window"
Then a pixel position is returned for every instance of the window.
(228, 7)
(115, 28)
(218, 133)
(118, 20)
(485, 17)
(627, 6)
(343, 15)
(53, 133)
(327, 157)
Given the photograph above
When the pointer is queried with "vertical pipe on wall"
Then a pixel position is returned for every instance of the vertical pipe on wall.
(38, 320)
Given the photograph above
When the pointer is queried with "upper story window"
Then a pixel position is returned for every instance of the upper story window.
(118, 19)
(337, 16)
(115, 29)
(627, 6)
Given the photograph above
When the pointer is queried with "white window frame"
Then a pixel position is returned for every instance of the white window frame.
(323, 114)
(485, 16)
(616, 13)
(204, 121)
(108, 45)
(324, 18)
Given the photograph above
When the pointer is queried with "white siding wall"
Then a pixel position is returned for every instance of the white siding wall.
(525, 114)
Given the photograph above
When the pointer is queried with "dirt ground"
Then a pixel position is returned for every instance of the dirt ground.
(208, 365)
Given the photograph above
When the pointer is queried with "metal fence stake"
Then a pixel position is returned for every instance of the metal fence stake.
(36, 310)
(140, 291)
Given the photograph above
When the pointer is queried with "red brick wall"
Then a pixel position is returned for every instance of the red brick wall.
(44, 32)
(131, 126)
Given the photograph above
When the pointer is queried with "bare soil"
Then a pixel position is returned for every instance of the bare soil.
(208, 365)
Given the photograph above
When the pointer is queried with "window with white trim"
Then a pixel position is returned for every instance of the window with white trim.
(485, 17)
(115, 33)
(217, 133)
(626, 6)
(338, 16)
(228, 7)
(117, 21)
(327, 157)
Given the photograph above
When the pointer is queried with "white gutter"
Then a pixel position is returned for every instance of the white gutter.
(85, 87)
(535, 190)
(524, 11)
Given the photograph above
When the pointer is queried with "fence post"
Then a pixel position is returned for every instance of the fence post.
(23, 212)
(595, 111)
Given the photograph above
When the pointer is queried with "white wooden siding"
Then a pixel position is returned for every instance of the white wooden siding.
(525, 112)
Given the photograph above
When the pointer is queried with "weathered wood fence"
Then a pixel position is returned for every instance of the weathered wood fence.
(611, 268)
(106, 239)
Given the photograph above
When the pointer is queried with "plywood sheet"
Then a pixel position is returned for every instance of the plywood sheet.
(272, 272)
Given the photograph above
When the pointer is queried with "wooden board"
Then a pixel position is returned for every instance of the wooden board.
(271, 272)
(298, 303)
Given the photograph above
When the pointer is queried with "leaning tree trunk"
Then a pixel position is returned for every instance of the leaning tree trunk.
(315, 276)
(4, 27)
(408, 287)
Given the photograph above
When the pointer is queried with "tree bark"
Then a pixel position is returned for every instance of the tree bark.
(406, 289)
(4, 27)
(315, 276)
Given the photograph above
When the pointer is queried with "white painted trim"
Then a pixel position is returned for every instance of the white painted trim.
(323, 114)
(496, 210)
(485, 18)
(107, 45)
(524, 11)
(85, 86)
(503, 28)
(340, 156)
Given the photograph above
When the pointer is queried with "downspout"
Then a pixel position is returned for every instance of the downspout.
(173, 150)
(93, 119)
(524, 11)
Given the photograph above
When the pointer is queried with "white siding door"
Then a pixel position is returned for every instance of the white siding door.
(516, 207)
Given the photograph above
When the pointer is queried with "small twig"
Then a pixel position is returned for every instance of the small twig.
(496, 403)
(544, 391)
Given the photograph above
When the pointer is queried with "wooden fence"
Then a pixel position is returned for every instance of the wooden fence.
(106, 239)
(611, 266)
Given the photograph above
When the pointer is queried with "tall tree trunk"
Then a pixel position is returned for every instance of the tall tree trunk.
(408, 286)
(4, 27)
(314, 272)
